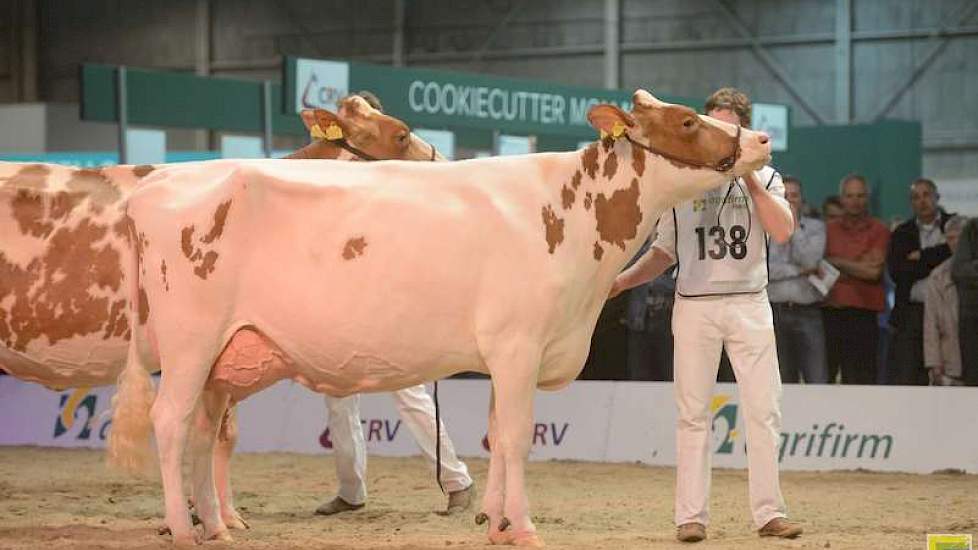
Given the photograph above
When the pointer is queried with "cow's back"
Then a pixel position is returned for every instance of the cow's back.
(63, 307)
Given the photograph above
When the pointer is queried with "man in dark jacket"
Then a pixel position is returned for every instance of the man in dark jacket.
(917, 246)
(964, 272)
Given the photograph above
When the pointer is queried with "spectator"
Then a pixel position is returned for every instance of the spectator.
(831, 209)
(942, 354)
(917, 246)
(964, 272)
(794, 301)
(856, 246)
(650, 329)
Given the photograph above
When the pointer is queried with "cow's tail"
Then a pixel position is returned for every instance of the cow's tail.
(129, 445)
(129, 438)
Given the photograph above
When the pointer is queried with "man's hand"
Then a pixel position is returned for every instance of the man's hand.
(616, 288)
(914, 256)
(776, 217)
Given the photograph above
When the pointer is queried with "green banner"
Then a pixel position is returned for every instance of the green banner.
(181, 100)
(441, 99)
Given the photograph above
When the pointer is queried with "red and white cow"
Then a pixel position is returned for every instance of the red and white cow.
(362, 277)
(64, 296)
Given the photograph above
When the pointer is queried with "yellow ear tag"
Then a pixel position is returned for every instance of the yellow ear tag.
(603, 134)
(334, 132)
(617, 130)
(316, 132)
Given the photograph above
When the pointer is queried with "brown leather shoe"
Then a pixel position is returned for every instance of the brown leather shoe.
(781, 528)
(461, 500)
(336, 506)
(691, 532)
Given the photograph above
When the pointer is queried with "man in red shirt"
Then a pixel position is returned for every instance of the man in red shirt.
(856, 244)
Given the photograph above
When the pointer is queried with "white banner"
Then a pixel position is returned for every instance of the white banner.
(514, 145)
(443, 140)
(912, 429)
(321, 83)
(772, 119)
(959, 196)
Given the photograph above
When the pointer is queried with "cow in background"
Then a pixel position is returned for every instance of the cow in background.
(65, 317)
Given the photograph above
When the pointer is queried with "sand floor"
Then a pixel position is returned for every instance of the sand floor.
(57, 498)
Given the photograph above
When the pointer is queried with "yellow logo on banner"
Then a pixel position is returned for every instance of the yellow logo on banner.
(949, 542)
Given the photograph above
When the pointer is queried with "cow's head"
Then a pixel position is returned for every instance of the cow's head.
(687, 140)
(368, 133)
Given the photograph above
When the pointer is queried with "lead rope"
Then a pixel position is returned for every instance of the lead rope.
(750, 219)
(438, 441)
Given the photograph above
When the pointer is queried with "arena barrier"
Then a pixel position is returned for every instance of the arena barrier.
(910, 429)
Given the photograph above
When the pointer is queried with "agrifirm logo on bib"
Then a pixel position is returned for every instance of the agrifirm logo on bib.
(949, 542)
(321, 84)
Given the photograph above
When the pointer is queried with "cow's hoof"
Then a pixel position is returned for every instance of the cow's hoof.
(222, 535)
(234, 521)
(190, 539)
(481, 518)
(498, 538)
(509, 538)
(528, 540)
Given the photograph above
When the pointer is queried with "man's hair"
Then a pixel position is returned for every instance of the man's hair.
(925, 181)
(956, 223)
(370, 98)
(853, 176)
(732, 99)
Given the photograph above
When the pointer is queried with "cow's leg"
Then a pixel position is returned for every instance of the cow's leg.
(175, 404)
(515, 384)
(226, 440)
(492, 501)
(207, 422)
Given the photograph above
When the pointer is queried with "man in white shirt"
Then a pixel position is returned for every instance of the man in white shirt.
(794, 300)
(720, 242)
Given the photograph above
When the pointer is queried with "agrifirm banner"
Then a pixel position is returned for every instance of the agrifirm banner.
(913, 429)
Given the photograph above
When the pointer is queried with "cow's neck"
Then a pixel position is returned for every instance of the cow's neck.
(612, 194)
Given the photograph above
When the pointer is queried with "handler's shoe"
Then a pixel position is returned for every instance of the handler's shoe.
(691, 532)
(461, 500)
(336, 506)
(781, 528)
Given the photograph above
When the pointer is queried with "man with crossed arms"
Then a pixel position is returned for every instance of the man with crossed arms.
(720, 243)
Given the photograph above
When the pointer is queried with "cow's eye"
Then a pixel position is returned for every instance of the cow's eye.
(688, 123)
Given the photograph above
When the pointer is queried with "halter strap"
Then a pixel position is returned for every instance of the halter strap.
(723, 165)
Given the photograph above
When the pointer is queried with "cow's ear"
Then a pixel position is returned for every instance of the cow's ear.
(322, 124)
(609, 119)
(308, 118)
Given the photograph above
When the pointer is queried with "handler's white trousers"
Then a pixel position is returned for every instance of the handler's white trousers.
(701, 327)
(417, 410)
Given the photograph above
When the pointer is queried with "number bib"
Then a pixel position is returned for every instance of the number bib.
(729, 257)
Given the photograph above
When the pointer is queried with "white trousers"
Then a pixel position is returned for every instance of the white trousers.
(417, 410)
(702, 327)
